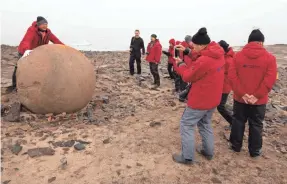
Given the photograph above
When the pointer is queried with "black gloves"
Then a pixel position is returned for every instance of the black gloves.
(186, 51)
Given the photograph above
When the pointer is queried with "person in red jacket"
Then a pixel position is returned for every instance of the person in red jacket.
(37, 34)
(171, 56)
(154, 51)
(206, 76)
(229, 53)
(252, 75)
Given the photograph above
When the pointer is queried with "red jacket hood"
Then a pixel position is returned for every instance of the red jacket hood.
(177, 42)
(230, 52)
(253, 50)
(34, 25)
(213, 50)
(184, 44)
(172, 41)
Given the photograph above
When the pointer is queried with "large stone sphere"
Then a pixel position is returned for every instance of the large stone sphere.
(55, 79)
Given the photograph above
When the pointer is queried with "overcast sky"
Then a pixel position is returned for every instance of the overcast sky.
(109, 24)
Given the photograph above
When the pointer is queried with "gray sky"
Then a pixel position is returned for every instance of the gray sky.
(109, 24)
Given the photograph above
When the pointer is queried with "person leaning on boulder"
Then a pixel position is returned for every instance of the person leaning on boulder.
(206, 75)
(252, 75)
(37, 34)
(153, 56)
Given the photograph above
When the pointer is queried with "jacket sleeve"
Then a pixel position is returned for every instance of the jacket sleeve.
(192, 73)
(142, 46)
(234, 79)
(131, 43)
(157, 56)
(26, 42)
(166, 53)
(54, 39)
(268, 81)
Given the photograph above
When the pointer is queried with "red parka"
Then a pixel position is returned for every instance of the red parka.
(171, 51)
(253, 72)
(154, 51)
(207, 76)
(34, 38)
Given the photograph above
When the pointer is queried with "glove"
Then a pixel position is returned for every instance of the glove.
(26, 53)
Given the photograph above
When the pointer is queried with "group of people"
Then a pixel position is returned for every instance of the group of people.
(208, 72)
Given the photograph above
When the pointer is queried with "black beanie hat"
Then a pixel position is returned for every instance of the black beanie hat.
(256, 36)
(201, 37)
(188, 38)
(224, 45)
(41, 20)
(154, 36)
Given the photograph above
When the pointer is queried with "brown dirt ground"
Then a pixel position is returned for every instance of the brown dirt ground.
(133, 151)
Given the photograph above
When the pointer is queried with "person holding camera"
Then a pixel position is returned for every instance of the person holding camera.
(206, 75)
(171, 55)
(229, 54)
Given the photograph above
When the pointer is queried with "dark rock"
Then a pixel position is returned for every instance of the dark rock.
(83, 142)
(139, 164)
(14, 113)
(64, 162)
(105, 99)
(107, 141)
(6, 182)
(284, 108)
(50, 180)
(37, 152)
(90, 114)
(79, 146)
(65, 144)
(153, 124)
(128, 166)
(215, 180)
(16, 149)
(215, 171)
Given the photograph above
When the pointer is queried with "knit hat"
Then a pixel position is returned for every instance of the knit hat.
(154, 36)
(201, 37)
(187, 38)
(256, 36)
(41, 20)
(224, 45)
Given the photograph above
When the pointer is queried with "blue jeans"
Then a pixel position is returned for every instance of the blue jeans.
(189, 120)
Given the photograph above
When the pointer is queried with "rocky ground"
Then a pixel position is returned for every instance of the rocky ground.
(128, 133)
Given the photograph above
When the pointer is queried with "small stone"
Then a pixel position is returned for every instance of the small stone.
(172, 103)
(283, 150)
(50, 180)
(14, 113)
(215, 180)
(105, 99)
(39, 134)
(4, 99)
(129, 167)
(215, 171)
(119, 172)
(37, 152)
(139, 164)
(64, 144)
(79, 146)
(6, 182)
(153, 124)
(107, 141)
(16, 149)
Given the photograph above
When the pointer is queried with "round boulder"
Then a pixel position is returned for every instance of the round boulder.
(55, 79)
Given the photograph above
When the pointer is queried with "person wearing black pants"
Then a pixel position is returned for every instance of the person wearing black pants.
(252, 75)
(137, 44)
(155, 74)
(154, 51)
(254, 114)
(228, 56)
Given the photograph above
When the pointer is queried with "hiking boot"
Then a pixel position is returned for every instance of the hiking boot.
(200, 150)
(179, 159)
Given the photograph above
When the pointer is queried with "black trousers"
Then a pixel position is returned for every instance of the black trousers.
(226, 114)
(154, 72)
(180, 85)
(14, 80)
(254, 114)
(136, 57)
(170, 70)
